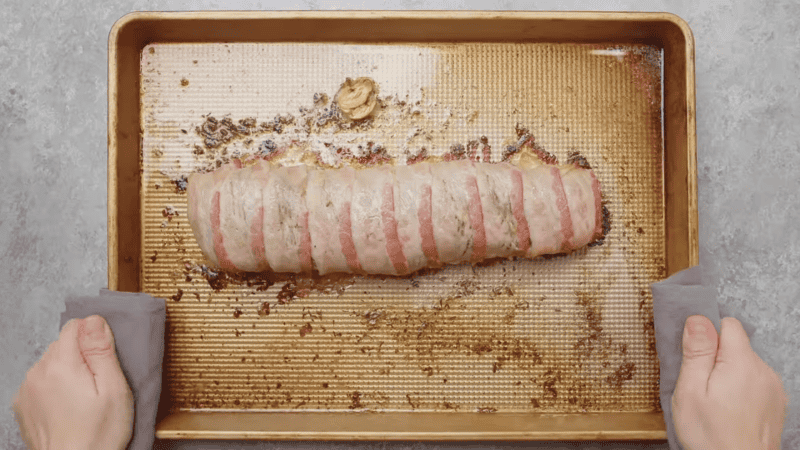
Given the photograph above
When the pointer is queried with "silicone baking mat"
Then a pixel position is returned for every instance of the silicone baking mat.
(558, 334)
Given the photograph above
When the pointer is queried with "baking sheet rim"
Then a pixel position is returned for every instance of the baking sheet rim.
(113, 122)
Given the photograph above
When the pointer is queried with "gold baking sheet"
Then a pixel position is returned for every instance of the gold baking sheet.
(564, 334)
(555, 348)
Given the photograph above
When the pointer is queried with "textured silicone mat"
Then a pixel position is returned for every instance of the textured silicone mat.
(569, 333)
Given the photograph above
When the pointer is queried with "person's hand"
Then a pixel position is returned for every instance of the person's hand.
(726, 397)
(75, 396)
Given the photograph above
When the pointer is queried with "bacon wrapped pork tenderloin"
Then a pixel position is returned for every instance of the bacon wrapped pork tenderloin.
(390, 220)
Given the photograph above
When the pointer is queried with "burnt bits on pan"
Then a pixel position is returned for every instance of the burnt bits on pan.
(218, 132)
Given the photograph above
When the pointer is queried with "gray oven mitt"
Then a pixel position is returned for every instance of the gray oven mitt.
(137, 321)
(674, 300)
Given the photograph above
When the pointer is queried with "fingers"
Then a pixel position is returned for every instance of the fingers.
(96, 343)
(699, 353)
(733, 341)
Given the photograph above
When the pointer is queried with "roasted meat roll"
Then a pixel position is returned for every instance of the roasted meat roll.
(390, 220)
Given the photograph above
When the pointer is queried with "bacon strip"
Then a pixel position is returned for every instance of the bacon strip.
(476, 220)
(219, 244)
(518, 209)
(393, 246)
(563, 207)
(346, 239)
(257, 227)
(598, 208)
(305, 245)
(257, 241)
(426, 227)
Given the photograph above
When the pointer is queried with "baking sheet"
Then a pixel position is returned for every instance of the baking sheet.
(563, 334)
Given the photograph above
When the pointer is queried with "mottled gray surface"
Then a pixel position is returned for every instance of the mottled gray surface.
(53, 59)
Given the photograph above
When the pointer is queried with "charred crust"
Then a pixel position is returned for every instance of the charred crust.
(521, 130)
(509, 151)
(523, 139)
(419, 157)
(606, 218)
(266, 147)
(554, 256)
(528, 142)
(472, 150)
(457, 150)
(578, 160)
(545, 156)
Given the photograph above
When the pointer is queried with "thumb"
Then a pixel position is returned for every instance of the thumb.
(699, 353)
(734, 344)
(96, 342)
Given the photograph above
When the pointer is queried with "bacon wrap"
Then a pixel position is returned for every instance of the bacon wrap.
(390, 220)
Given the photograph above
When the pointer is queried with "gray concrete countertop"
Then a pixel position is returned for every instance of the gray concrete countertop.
(53, 80)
